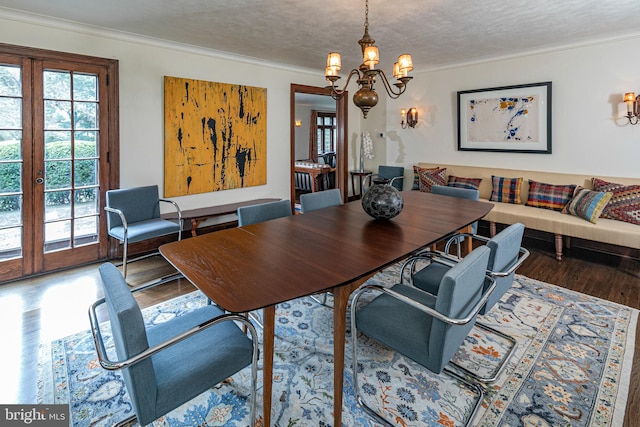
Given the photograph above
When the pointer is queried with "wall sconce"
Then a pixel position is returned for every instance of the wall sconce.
(633, 107)
(411, 118)
(298, 123)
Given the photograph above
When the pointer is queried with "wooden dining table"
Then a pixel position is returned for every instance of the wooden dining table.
(261, 265)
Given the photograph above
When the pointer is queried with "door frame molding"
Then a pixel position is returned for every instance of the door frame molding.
(341, 138)
(110, 146)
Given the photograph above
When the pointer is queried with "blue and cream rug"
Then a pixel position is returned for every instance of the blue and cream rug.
(571, 367)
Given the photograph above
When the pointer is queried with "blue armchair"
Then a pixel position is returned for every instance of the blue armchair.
(506, 255)
(426, 328)
(172, 362)
(133, 215)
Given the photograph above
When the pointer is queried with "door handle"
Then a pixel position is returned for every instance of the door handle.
(39, 180)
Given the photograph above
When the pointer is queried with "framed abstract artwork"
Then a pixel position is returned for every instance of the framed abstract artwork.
(215, 136)
(509, 118)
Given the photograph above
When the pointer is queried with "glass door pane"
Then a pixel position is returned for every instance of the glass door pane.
(71, 156)
(11, 192)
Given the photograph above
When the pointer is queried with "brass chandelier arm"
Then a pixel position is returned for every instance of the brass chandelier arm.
(392, 94)
(337, 93)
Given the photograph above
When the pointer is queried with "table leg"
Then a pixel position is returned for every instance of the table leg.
(340, 299)
(353, 186)
(269, 318)
(469, 241)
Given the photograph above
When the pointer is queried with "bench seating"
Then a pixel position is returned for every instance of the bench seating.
(605, 230)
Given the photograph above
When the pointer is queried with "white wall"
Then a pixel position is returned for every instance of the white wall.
(143, 64)
(588, 83)
(589, 133)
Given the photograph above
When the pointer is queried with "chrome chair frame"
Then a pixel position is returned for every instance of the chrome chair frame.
(112, 365)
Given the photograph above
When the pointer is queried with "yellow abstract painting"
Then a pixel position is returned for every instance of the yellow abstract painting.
(215, 136)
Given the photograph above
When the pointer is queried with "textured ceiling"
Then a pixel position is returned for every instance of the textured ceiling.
(437, 33)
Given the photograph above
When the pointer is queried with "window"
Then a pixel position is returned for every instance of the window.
(326, 132)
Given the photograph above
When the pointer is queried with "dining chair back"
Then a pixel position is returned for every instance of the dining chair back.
(320, 199)
(391, 172)
(252, 214)
(461, 193)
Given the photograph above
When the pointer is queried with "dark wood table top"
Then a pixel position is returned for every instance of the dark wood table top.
(252, 267)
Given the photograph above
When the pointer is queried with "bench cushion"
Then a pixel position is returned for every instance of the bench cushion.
(606, 230)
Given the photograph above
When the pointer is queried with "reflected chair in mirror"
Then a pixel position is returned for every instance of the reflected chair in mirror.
(170, 363)
(252, 214)
(426, 328)
(320, 199)
(133, 215)
(394, 175)
(506, 256)
(461, 193)
(329, 158)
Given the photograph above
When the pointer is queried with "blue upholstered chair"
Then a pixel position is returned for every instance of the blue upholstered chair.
(506, 256)
(320, 199)
(426, 328)
(252, 214)
(391, 172)
(133, 215)
(172, 362)
(461, 193)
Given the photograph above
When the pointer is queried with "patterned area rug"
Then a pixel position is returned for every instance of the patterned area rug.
(571, 367)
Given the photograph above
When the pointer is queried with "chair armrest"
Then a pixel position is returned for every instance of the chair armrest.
(111, 365)
(523, 254)
(427, 255)
(426, 309)
(120, 213)
(177, 208)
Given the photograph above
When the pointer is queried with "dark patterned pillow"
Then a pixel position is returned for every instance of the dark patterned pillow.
(469, 183)
(506, 190)
(625, 202)
(429, 178)
(549, 196)
(416, 175)
(587, 204)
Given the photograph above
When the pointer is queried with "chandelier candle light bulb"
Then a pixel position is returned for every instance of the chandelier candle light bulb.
(365, 75)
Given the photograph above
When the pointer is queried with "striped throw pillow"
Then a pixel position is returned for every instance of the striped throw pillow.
(417, 170)
(429, 178)
(587, 204)
(625, 202)
(506, 190)
(469, 183)
(549, 196)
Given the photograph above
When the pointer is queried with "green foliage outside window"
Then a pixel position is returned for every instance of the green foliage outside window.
(58, 173)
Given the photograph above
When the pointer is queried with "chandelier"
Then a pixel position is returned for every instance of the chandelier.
(366, 97)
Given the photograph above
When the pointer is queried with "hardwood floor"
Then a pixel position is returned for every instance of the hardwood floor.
(52, 306)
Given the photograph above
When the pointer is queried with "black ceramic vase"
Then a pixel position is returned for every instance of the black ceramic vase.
(382, 201)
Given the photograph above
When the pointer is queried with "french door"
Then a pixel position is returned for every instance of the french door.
(54, 170)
